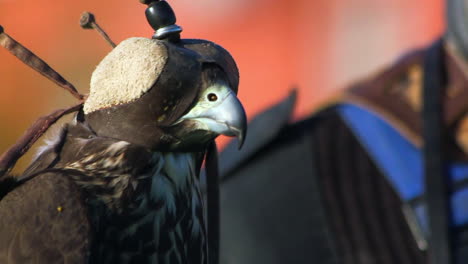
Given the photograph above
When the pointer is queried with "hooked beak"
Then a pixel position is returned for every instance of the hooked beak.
(226, 118)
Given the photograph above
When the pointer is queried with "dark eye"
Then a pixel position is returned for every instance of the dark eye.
(212, 97)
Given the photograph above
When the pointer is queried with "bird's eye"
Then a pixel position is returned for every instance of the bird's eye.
(212, 97)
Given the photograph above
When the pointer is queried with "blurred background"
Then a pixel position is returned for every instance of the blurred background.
(318, 46)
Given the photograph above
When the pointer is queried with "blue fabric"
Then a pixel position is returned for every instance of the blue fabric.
(401, 161)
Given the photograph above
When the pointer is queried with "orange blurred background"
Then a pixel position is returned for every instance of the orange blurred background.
(317, 46)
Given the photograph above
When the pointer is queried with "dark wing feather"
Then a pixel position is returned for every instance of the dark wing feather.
(44, 220)
(7, 183)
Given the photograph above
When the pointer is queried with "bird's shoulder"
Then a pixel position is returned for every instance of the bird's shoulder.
(44, 220)
(77, 146)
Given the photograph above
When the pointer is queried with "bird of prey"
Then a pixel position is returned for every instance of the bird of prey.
(120, 183)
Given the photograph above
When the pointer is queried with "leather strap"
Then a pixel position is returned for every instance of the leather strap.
(434, 156)
(213, 203)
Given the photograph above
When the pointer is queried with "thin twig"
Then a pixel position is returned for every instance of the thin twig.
(9, 158)
(36, 63)
(88, 21)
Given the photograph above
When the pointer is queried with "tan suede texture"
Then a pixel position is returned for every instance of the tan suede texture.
(126, 73)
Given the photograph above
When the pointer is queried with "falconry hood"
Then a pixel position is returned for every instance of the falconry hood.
(143, 88)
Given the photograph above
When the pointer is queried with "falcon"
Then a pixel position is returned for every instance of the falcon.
(120, 182)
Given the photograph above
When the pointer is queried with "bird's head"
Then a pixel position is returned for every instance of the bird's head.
(166, 96)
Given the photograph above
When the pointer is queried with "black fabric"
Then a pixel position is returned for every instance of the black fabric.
(365, 212)
(313, 193)
(272, 209)
(434, 156)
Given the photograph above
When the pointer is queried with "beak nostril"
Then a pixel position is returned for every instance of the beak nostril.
(212, 97)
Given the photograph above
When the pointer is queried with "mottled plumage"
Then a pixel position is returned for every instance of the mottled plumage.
(142, 205)
(120, 184)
